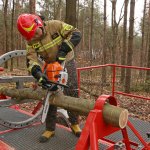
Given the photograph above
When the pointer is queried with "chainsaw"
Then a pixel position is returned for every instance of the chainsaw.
(58, 76)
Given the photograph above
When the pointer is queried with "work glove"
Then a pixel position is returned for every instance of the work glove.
(42, 79)
(39, 76)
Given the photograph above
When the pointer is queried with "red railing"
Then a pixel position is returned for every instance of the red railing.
(114, 67)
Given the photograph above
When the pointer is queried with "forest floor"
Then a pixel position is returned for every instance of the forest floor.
(137, 108)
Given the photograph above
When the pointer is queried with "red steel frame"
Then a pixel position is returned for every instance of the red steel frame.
(95, 128)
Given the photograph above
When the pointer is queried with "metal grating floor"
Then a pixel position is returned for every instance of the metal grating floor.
(141, 126)
(9, 114)
(27, 138)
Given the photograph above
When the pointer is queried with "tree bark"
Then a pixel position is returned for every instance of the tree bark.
(114, 34)
(124, 49)
(83, 30)
(5, 5)
(91, 32)
(148, 53)
(104, 44)
(57, 9)
(12, 33)
(77, 13)
(32, 6)
(130, 47)
(112, 114)
(143, 38)
(71, 12)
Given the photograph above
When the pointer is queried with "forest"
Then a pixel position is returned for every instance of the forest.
(107, 42)
(106, 39)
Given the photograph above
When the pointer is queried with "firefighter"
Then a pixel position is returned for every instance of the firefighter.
(53, 41)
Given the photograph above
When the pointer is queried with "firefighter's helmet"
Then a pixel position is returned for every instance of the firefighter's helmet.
(27, 25)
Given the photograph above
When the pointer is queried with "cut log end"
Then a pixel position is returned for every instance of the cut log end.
(123, 119)
(115, 116)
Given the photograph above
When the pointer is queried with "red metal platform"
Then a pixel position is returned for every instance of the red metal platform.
(27, 138)
(96, 134)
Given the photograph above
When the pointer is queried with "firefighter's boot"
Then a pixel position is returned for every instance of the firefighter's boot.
(76, 130)
(46, 136)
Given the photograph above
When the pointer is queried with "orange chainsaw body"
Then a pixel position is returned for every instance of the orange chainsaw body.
(52, 70)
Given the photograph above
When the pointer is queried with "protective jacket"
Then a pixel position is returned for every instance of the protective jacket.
(54, 33)
(57, 36)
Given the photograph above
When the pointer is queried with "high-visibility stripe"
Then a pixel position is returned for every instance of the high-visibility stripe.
(36, 45)
(66, 27)
(29, 29)
(69, 44)
(56, 41)
(62, 58)
(40, 80)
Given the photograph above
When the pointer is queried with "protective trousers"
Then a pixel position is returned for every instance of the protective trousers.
(71, 91)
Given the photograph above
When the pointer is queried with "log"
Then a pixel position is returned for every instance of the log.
(112, 114)
(57, 98)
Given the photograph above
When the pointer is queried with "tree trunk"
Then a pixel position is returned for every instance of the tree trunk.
(130, 47)
(5, 5)
(12, 33)
(57, 9)
(114, 36)
(148, 55)
(71, 12)
(91, 32)
(112, 114)
(78, 13)
(124, 49)
(104, 45)
(32, 6)
(143, 37)
(83, 30)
